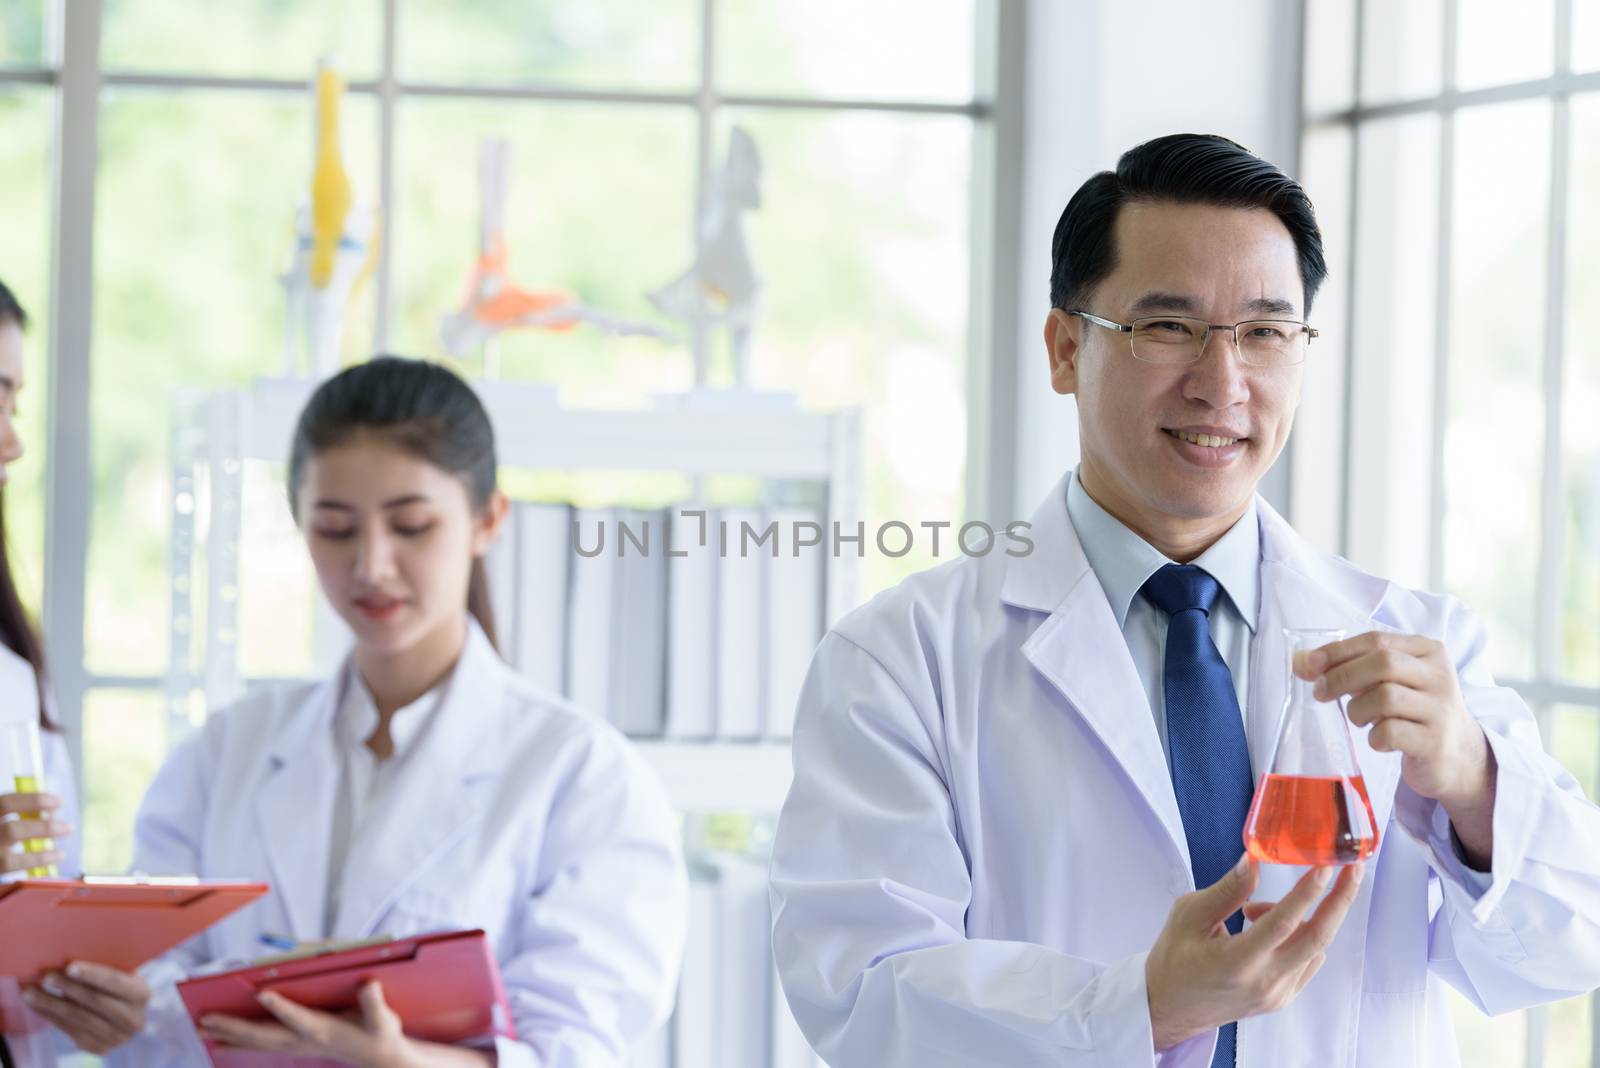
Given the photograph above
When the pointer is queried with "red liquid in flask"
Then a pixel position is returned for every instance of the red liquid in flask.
(1311, 819)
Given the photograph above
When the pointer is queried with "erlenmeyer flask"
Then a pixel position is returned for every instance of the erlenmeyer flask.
(1311, 805)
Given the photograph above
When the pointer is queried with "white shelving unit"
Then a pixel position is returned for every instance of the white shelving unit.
(215, 432)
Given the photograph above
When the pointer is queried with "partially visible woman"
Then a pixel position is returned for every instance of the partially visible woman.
(426, 785)
(91, 1007)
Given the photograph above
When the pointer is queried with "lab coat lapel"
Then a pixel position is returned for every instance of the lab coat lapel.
(296, 795)
(1081, 652)
(435, 796)
(1305, 590)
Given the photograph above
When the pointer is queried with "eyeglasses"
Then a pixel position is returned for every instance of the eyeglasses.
(1177, 339)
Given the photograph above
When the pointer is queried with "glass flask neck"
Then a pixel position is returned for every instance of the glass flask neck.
(1313, 734)
(1299, 643)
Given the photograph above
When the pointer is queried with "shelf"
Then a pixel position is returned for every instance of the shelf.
(704, 432)
(533, 431)
(721, 776)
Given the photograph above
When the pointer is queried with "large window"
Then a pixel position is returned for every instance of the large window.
(617, 113)
(1453, 147)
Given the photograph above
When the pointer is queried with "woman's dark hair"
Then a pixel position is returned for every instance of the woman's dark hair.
(421, 408)
(16, 630)
(1186, 169)
(10, 310)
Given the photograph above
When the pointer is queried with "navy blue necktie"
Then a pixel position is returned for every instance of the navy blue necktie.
(1205, 739)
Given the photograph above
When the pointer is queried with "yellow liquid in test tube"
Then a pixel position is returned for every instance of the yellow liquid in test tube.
(28, 784)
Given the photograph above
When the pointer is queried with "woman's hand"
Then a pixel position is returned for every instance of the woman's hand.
(98, 1007)
(372, 1039)
(37, 822)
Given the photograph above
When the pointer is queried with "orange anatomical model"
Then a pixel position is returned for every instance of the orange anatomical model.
(495, 303)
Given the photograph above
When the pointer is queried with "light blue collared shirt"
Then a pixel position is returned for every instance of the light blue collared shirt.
(1122, 561)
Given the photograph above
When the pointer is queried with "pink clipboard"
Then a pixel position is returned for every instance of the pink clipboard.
(46, 923)
(445, 988)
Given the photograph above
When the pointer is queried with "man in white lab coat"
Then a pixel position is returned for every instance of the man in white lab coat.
(1012, 772)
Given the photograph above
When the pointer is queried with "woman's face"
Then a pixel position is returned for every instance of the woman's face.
(393, 538)
(10, 386)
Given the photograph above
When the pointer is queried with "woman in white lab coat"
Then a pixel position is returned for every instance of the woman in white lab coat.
(100, 1007)
(425, 785)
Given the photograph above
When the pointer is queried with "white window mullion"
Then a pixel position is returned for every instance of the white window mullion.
(1547, 618)
(68, 470)
(1553, 543)
(387, 95)
(1534, 89)
(1347, 428)
(706, 114)
(1594, 1030)
(995, 210)
(1442, 302)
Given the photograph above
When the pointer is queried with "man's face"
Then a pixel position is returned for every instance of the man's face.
(1223, 265)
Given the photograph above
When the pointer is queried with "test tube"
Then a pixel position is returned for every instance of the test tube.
(20, 751)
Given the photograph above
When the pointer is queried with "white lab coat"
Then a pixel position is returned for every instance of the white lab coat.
(982, 841)
(512, 812)
(33, 1043)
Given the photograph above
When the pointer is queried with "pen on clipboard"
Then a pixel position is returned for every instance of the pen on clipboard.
(276, 941)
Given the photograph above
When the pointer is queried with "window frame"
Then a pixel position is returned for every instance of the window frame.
(73, 68)
(1546, 688)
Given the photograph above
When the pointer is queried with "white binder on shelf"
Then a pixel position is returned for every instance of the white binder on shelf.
(694, 1026)
(692, 623)
(745, 1037)
(741, 576)
(794, 591)
(544, 576)
(638, 690)
(591, 634)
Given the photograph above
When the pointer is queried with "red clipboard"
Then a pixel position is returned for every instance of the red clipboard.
(445, 987)
(45, 923)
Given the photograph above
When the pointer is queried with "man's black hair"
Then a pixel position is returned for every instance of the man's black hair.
(1184, 169)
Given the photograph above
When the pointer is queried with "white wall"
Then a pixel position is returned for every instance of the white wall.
(1092, 92)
